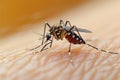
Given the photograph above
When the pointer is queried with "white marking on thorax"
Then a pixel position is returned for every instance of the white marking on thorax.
(77, 38)
(60, 28)
(58, 33)
(73, 36)
(69, 33)
(80, 40)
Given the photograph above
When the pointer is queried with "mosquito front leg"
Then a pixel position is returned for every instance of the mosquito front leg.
(46, 24)
(35, 47)
(51, 42)
(44, 47)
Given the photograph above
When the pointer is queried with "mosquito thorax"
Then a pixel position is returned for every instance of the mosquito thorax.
(56, 31)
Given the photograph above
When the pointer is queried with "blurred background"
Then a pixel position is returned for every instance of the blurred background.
(15, 13)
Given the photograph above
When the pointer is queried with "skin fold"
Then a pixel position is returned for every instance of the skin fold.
(103, 19)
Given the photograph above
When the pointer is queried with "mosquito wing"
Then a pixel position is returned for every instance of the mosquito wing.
(79, 29)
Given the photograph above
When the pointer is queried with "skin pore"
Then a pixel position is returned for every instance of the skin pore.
(54, 63)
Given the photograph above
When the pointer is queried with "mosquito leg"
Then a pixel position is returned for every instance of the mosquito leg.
(101, 49)
(35, 47)
(69, 53)
(61, 22)
(51, 41)
(68, 22)
(77, 31)
(44, 47)
(72, 27)
(46, 24)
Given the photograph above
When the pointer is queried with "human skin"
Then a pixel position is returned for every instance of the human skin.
(17, 62)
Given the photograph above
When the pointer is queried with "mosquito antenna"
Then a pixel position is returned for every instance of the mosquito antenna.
(101, 49)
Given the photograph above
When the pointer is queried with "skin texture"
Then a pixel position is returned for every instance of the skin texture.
(17, 62)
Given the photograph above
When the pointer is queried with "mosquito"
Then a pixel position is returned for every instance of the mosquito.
(67, 31)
